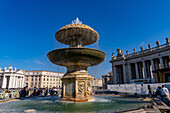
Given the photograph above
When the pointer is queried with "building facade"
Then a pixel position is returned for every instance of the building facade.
(150, 65)
(96, 83)
(43, 79)
(11, 78)
(107, 79)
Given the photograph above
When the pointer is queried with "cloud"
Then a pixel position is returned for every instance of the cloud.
(26, 61)
(142, 44)
(38, 62)
(7, 56)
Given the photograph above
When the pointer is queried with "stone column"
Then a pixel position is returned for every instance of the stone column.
(166, 62)
(114, 74)
(129, 71)
(4, 82)
(153, 65)
(21, 82)
(14, 82)
(10, 82)
(157, 64)
(152, 77)
(144, 70)
(137, 72)
(161, 62)
(124, 74)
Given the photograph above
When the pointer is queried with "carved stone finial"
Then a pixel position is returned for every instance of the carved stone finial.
(157, 43)
(119, 52)
(112, 54)
(167, 40)
(127, 52)
(141, 48)
(134, 50)
(149, 45)
(122, 52)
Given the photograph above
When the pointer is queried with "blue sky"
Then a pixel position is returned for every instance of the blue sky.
(27, 28)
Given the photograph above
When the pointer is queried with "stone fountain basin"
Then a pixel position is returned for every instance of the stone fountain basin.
(76, 56)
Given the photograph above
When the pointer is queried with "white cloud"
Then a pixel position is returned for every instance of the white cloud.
(38, 62)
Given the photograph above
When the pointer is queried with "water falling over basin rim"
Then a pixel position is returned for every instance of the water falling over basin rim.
(76, 56)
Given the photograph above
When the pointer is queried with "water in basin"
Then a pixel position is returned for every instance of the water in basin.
(53, 104)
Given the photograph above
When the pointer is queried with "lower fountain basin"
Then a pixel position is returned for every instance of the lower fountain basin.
(76, 56)
(53, 104)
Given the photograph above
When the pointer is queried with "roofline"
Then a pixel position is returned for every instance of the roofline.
(41, 71)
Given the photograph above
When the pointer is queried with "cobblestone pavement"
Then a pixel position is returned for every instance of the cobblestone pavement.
(5, 108)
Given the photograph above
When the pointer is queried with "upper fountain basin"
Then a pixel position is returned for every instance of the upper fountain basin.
(76, 56)
(67, 34)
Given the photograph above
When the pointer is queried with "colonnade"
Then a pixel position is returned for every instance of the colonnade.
(12, 81)
(141, 71)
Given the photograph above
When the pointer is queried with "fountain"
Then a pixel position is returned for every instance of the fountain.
(77, 82)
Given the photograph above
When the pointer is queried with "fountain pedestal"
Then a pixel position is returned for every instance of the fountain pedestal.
(77, 87)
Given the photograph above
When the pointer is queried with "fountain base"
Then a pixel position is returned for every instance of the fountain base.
(77, 87)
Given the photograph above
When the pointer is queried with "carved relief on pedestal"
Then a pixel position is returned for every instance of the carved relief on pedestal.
(89, 88)
(80, 87)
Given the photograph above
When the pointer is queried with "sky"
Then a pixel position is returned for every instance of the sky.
(27, 29)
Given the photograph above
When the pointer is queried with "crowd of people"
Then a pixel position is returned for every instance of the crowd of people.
(160, 92)
(25, 92)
